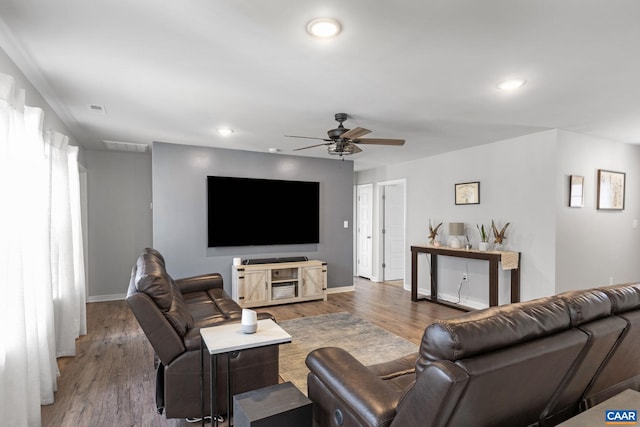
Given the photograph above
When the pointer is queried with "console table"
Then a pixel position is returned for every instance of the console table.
(493, 257)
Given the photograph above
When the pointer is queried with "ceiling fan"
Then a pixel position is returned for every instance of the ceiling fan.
(342, 141)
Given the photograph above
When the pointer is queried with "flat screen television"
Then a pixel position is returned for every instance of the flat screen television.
(252, 212)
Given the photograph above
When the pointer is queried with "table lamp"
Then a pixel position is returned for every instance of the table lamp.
(456, 234)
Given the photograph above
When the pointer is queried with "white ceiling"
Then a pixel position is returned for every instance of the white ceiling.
(422, 70)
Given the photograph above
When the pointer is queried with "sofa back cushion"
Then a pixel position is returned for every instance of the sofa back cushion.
(586, 306)
(623, 297)
(155, 253)
(151, 278)
(491, 329)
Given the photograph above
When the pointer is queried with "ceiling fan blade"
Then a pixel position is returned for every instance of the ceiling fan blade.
(311, 146)
(355, 133)
(306, 137)
(355, 149)
(380, 141)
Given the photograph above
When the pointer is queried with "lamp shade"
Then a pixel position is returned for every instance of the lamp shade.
(456, 228)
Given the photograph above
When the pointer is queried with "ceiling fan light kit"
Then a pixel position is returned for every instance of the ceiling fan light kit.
(343, 141)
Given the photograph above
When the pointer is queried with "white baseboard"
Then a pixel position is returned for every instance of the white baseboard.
(103, 298)
(478, 305)
(341, 289)
(120, 297)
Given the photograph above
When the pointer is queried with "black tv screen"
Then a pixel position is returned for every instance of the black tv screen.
(248, 211)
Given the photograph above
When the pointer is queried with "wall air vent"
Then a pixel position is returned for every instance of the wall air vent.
(97, 109)
(127, 146)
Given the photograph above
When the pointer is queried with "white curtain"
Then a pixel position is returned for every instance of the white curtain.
(42, 294)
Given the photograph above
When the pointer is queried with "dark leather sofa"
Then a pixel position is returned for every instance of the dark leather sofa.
(535, 363)
(171, 313)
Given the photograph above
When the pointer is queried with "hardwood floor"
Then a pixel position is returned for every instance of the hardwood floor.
(111, 380)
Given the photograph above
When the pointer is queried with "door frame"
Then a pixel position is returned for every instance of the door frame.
(378, 255)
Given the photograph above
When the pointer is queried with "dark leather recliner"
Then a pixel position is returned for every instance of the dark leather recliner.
(535, 363)
(171, 313)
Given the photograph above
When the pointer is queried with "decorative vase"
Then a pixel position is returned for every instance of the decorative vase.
(483, 246)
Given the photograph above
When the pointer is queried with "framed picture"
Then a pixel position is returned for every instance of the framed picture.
(467, 193)
(611, 189)
(576, 191)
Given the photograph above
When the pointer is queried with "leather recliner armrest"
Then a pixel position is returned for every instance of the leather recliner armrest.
(366, 395)
(200, 283)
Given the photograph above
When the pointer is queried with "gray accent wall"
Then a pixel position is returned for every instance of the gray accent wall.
(119, 216)
(180, 208)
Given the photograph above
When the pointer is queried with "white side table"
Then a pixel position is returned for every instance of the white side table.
(225, 339)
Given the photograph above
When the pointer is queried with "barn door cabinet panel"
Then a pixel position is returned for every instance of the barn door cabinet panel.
(262, 285)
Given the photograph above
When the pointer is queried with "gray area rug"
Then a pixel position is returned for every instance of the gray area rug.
(365, 341)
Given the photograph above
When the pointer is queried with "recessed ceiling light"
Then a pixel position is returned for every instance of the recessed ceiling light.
(273, 150)
(511, 84)
(324, 27)
(225, 131)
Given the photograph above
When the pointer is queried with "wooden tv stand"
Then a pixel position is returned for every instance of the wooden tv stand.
(259, 285)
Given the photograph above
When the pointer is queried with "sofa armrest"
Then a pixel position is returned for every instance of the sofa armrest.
(357, 389)
(200, 283)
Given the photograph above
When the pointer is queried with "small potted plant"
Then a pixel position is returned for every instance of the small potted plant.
(433, 234)
(499, 235)
(484, 238)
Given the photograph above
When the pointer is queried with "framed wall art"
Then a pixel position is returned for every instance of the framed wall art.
(576, 191)
(467, 193)
(611, 189)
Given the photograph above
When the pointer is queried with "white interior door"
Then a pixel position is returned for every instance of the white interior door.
(364, 208)
(393, 232)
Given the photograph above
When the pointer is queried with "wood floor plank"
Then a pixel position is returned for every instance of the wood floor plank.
(111, 380)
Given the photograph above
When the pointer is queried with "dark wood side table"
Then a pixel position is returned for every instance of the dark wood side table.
(280, 405)
(493, 257)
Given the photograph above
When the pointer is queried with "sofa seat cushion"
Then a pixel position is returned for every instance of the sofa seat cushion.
(226, 305)
(202, 308)
(192, 337)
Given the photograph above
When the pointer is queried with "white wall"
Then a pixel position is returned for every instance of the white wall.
(525, 181)
(517, 185)
(594, 246)
(33, 97)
